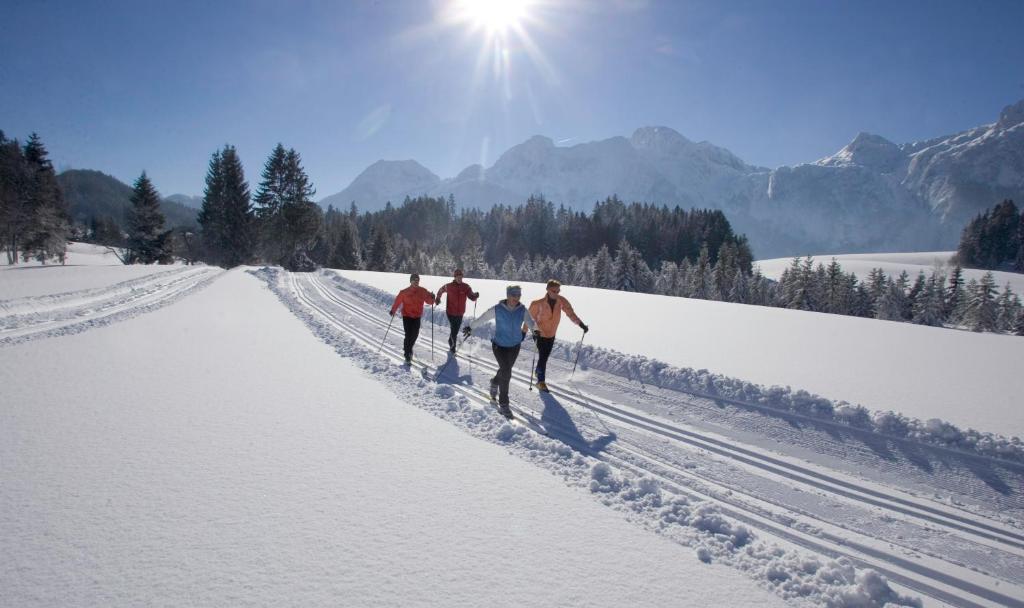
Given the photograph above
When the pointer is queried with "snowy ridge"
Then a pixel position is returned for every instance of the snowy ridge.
(651, 500)
(342, 315)
(74, 312)
(891, 424)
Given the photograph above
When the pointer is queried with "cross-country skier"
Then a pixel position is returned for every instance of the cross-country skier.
(547, 311)
(509, 316)
(456, 308)
(411, 299)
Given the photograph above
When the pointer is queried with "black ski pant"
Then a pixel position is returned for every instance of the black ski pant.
(412, 331)
(506, 358)
(456, 322)
(544, 346)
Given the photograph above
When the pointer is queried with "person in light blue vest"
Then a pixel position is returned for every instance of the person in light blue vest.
(509, 316)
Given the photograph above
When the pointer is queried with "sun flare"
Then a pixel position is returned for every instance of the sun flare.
(495, 16)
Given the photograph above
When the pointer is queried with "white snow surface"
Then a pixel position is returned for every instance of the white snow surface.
(214, 452)
(895, 263)
(969, 379)
(87, 266)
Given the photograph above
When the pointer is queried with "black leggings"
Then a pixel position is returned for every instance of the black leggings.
(506, 358)
(544, 346)
(456, 322)
(412, 331)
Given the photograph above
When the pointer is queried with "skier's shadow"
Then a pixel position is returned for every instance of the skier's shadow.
(555, 415)
(450, 373)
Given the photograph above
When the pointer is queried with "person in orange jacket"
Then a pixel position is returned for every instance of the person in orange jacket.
(411, 300)
(547, 311)
(456, 309)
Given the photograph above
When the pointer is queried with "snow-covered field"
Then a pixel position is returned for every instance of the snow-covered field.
(969, 379)
(207, 438)
(895, 263)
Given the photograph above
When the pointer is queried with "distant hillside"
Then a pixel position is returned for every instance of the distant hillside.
(92, 194)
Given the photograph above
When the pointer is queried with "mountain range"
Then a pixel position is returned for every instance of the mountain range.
(872, 195)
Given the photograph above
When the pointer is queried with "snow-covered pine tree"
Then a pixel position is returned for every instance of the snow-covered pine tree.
(509, 268)
(604, 268)
(956, 296)
(740, 292)
(890, 304)
(148, 242)
(982, 313)
(916, 292)
(1007, 306)
(1019, 327)
(700, 276)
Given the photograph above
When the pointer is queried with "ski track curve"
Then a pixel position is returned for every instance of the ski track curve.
(37, 317)
(649, 464)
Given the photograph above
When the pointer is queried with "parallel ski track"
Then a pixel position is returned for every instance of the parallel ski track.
(914, 575)
(101, 307)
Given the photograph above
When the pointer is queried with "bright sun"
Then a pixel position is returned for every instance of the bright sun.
(496, 16)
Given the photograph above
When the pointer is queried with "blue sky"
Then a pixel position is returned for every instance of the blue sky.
(127, 86)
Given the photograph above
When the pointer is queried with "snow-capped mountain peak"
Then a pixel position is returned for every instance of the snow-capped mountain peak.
(868, 150)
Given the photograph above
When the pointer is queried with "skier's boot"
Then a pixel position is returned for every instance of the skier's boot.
(505, 410)
(541, 386)
(408, 359)
(494, 391)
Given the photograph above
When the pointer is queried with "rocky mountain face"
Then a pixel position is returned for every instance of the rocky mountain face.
(93, 195)
(873, 195)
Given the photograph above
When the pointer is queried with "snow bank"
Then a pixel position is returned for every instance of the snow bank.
(799, 402)
(684, 518)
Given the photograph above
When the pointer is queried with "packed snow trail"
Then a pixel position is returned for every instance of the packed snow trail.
(941, 550)
(34, 317)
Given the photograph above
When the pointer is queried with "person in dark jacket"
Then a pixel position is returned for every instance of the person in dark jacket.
(509, 316)
(411, 300)
(456, 308)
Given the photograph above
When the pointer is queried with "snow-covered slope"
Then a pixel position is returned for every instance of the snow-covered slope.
(872, 195)
(923, 372)
(243, 447)
(895, 263)
(216, 453)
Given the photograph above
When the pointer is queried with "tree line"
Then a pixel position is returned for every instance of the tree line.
(34, 218)
(994, 239)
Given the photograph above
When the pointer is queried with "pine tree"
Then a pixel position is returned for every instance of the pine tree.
(48, 222)
(226, 218)
(509, 268)
(955, 296)
(982, 313)
(1007, 306)
(604, 269)
(928, 306)
(211, 215)
(740, 292)
(148, 242)
(1019, 327)
(381, 256)
(891, 304)
(700, 276)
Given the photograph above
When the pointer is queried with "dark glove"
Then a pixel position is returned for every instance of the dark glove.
(476, 294)
(584, 327)
(536, 335)
(437, 299)
(392, 313)
(466, 331)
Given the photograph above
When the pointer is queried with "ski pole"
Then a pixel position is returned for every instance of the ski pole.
(533, 364)
(579, 349)
(386, 333)
(431, 332)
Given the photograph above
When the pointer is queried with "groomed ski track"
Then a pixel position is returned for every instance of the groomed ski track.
(36, 317)
(942, 551)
